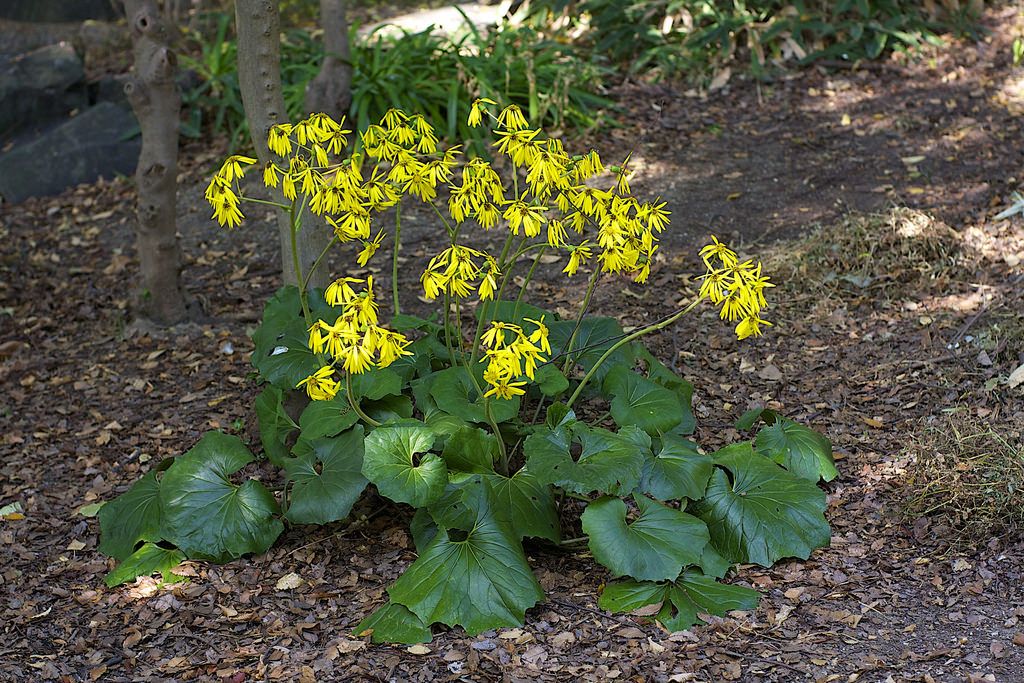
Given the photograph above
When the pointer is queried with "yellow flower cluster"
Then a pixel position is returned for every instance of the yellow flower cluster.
(355, 341)
(455, 272)
(737, 287)
(510, 353)
(220, 192)
(623, 228)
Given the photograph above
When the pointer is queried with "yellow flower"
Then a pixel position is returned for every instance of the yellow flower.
(357, 358)
(577, 257)
(718, 250)
(370, 248)
(278, 141)
(736, 304)
(714, 285)
(530, 217)
(232, 167)
(393, 118)
(540, 335)
(390, 347)
(750, 326)
(340, 291)
(270, 174)
(506, 390)
(320, 386)
(511, 117)
(476, 111)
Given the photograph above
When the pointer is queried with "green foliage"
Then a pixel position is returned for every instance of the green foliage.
(423, 71)
(677, 37)
(475, 502)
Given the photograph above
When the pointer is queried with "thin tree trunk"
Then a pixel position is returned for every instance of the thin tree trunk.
(154, 96)
(331, 90)
(259, 78)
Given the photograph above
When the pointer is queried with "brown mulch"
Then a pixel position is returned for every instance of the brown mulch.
(91, 400)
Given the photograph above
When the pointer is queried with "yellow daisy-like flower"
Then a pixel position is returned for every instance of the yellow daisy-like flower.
(278, 140)
(720, 251)
(320, 386)
(750, 326)
(476, 111)
(511, 118)
(506, 390)
(369, 249)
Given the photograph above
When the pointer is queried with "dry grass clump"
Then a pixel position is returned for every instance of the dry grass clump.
(969, 475)
(865, 252)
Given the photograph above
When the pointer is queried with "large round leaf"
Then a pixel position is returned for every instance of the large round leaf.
(607, 462)
(276, 426)
(281, 353)
(638, 401)
(681, 600)
(327, 418)
(655, 546)
(679, 470)
(659, 373)
(205, 514)
(478, 579)
(390, 462)
(526, 505)
(470, 449)
(327, 476)
(596, 334)
(802, 451)
(765, 512)
(132, 517)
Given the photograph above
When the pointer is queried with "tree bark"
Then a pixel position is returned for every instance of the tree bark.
(259, 78)
(154, 96)
(330, 91)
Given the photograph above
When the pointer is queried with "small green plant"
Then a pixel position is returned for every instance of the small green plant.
(481, 417)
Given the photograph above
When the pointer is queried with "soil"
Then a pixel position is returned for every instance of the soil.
(92, 399)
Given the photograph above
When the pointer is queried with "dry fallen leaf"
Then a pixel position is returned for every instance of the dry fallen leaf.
(418, 650)
(289, 581)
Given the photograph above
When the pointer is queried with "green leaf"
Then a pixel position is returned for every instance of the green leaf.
(208, 516)
(596, 335)
(551, 381)
(679, 470)
(454, 391)
(376, 383)
(276, 426)
(802, 451)
(713, 564)
(607, 462)
(390, 462)
(750, 418)
(281, 354)
(765, 513)
(638, 401)
(148, 559)
(326, 494)
(680, 600)
(478, 579)
(132, 517)
(526, 505)
(393, 623)
(659, 373)
(471, 450)
(327, 418)
(389, 409)
(655, 546)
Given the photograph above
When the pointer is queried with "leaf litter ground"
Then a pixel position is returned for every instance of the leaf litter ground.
(874, 343)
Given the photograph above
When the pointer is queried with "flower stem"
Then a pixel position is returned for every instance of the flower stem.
(316, 264)
(526, 281)
(626, 340)
(579, 319)
(355, 404)
(394, 261)
(296, 223)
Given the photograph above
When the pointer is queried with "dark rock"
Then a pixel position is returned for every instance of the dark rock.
(100, 142)
(57, 11)
(39, 86)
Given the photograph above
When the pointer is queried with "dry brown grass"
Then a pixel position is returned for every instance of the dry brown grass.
(969, 475)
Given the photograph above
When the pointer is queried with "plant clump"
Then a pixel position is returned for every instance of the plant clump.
(470, 416)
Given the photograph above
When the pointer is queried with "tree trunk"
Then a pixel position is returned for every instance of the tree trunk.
(259, 78)
(330, 91)
(154, 96)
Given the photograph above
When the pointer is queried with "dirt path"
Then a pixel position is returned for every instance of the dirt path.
(90, 402)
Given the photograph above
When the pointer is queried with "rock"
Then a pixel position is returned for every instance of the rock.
(57, 11)
(39, 86)
(89, 146)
